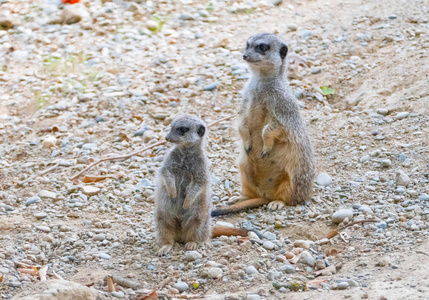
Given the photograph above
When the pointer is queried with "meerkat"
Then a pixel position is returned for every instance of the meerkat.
(182, 195)
(276, 161)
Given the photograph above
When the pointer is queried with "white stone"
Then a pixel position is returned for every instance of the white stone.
(215, 272)
(307, 258)
(402, 179)
(192, 255)
(323, 179)
(250, 270)
(49, 142)
(181, 286)
(47, 194)
(341, 214)
(90, 190)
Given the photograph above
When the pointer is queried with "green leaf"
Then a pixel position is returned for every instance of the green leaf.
(326, 90)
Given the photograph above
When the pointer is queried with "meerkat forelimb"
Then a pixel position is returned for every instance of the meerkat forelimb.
(276, 163)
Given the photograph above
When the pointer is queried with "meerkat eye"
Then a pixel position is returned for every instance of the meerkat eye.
(263, 47)
(182, 130)
(201, 130)
(247, 45)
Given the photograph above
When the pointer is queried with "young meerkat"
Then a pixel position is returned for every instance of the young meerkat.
(276, 162)
(182, 200)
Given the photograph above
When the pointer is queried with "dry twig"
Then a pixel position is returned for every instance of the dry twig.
(356, 222)
(42, 273)
(334, 233)
(422, 252)
(46, 171)
(111, 158)
(56, 275)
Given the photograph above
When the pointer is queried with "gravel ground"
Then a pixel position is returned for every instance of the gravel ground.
(81, 81)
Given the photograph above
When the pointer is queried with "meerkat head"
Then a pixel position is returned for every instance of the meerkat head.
(265, 50)
(186, 130)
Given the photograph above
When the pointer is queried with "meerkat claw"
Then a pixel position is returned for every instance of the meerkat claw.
(275, 205)
(263, 155)
(164, 250)
(191, 246)
(248, 149)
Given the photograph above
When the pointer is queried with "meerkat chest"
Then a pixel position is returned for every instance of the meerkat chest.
(187, 167)
(257, 115)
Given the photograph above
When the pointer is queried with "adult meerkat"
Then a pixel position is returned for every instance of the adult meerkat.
(276, 162)
(182, 200)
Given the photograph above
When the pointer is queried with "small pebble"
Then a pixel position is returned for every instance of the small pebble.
(250, 270)
(386, 163)
(181, 286)
(343, 285)
(268, 245)
(215, 272)
(341, 214)
(192, 255)
(323, 179)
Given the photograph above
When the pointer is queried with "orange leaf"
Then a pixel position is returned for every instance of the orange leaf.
(88, 179)
(242, 239)
(331, 234)
(151, 296)
(317, 283)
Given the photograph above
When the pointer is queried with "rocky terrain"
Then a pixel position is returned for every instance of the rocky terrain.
(81, 81)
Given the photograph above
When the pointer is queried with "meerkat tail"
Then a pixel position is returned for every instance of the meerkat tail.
(246, 204)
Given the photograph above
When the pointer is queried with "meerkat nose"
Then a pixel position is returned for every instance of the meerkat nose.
(245, 57)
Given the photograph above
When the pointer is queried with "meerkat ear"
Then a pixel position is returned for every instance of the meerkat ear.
(201, 130)
(283, 51)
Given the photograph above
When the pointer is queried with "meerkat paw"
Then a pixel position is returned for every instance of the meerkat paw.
(186, 204)
(265, 152)
(247, 148)
(173, 194)
(275, 205)
(191, 246)
(164, 250)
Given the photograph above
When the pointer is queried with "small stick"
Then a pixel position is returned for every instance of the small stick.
(109, 158)
(56, 275)
(357, 222)
(24, 265)
(124, 282)
(42, 273)
(422, 252)
(28, 271)
(221, 120)
(40, 174)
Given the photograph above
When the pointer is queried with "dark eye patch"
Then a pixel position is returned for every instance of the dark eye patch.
(201, 130)
(182, 130)
(247, 45)
(283, 51)
(261, 48)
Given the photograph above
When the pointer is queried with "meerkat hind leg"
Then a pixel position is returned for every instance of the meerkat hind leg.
(283, 194)
(166, 233)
